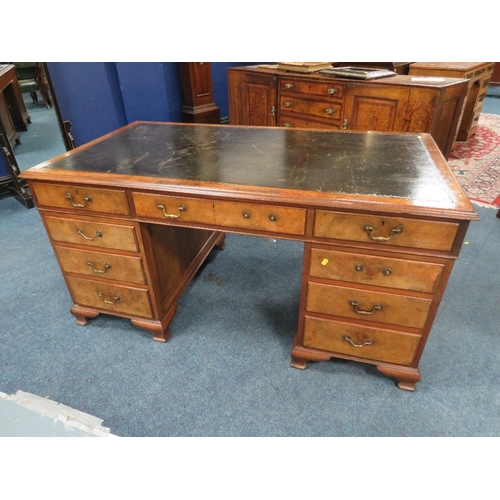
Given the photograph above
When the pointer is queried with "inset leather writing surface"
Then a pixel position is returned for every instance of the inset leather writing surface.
(386, 165)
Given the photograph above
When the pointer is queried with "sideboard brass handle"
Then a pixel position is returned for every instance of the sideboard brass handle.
(287, 124)
(246, 214)
(332, 91)
(273, 217)
(387, 271)
(81, 232)
(354, 304)
(358, 267)
(329, 111)
(367, 342)
(99, 271)
(79, 205)
(116, 298)
(344, 124)
(288, 104)
(180, 209)
(289, 85)
(369, 229)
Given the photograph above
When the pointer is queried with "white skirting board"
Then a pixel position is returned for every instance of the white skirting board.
(25, 414)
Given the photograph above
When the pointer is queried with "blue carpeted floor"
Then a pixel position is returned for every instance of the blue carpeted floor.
(225, 370)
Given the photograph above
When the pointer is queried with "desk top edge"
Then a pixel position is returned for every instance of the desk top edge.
(459, 208)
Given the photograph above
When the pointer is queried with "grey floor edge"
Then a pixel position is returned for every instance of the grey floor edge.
(27, 415)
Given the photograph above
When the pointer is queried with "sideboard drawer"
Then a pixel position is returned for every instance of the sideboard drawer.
(361, 341)
(325, 89)
(92, 232)
(111, 297)
(328, 111)
(81, 198)
(376, 270)
(399, 231)
(368, 305)
(101, 265)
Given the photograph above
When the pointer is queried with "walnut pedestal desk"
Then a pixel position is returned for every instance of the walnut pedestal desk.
(132, 216)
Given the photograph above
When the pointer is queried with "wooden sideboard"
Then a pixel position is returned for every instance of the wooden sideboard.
(264, 95)
(478, 76)
(132, 216)
(13, 115)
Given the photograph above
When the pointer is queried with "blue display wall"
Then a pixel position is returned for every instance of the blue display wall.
(99, 97)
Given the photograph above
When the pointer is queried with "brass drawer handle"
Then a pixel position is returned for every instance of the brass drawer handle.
(287, 124)
(81, 232)
(79, 205)
(354, 304)
(344, 124)
(367, 342)
(359, 267)
(332, 91)
(289, 85)
(369, 229)
(288, 104)
(180, 209)
(329, 111)
(273, 217)
(99, 271)
(246, 214)
(116, 298)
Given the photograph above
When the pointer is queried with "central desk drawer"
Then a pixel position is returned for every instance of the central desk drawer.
(361, 341)
(81, 198)
(101, 265)
(368, 305)
(399, 231)
(110, 297)
(222, 214)
(92, 232)
(171, 208)
(270, 218)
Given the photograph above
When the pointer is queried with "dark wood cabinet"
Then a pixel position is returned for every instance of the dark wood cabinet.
(478, 76)
(266, 96)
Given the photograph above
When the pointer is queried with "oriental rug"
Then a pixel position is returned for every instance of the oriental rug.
(476, 163)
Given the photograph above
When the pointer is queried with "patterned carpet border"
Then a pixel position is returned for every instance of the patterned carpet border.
(476, 163)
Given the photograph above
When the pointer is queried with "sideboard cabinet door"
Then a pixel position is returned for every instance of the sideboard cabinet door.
(377, 108)
(252, 98)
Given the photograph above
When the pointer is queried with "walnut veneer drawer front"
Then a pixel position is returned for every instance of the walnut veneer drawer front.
(108, 201)
(375, 270)
(223, 214)
(431, 235)
(92, 232)
(272, 218)
(326, 110)
(101, 265)
(368, 305)
(330, 89)
(111, 297)
(364, 342)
